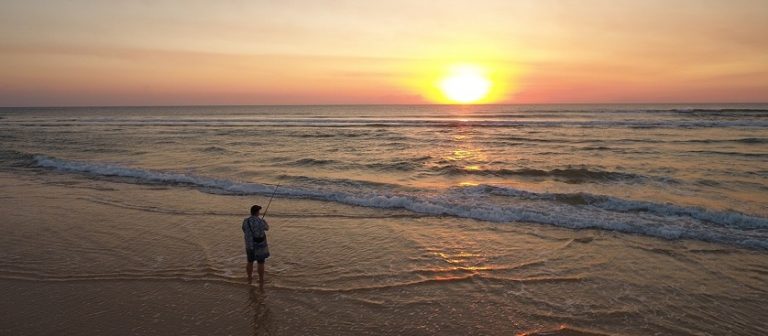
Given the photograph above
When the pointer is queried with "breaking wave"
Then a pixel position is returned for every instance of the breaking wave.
(569, 210)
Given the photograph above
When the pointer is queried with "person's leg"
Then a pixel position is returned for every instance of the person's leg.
(261, 273)
(249, 270)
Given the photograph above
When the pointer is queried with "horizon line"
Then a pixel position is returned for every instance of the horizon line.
(385, 104)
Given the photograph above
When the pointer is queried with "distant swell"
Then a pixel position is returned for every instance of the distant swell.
(574, 210)
(572, 174)
(380, 166)
(726, 111)
(753, 140)
(729, 153)
(309, 162)
(708, 120)
(214, 149)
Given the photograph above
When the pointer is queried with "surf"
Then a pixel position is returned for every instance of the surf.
(568, 210)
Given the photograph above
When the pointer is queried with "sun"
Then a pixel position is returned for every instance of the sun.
(465, 84)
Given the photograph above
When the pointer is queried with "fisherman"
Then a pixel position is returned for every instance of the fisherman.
(254, 229)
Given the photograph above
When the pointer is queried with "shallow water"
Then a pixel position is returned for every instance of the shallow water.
(389, 220)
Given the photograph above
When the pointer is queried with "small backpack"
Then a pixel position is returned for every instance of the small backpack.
(257, 238)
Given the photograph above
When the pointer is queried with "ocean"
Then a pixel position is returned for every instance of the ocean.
(394, 219)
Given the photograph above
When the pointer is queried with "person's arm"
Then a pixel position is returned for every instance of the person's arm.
(266, 225)
(248, 234)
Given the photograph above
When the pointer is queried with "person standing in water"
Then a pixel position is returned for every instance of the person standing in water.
(256, 249)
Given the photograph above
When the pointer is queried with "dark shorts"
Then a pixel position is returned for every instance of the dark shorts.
(253, 256)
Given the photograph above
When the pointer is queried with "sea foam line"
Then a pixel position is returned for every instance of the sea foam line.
(577, 211)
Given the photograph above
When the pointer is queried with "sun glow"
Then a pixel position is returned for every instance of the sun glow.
(465, 84)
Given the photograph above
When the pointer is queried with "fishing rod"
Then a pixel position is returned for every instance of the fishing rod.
(270, 201)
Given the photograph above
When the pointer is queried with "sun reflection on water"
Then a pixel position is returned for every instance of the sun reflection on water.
(469, 263)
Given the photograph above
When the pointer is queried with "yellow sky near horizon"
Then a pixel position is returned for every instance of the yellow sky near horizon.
(327, 52)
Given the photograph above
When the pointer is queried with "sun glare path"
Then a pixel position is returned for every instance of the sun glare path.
(465, 84)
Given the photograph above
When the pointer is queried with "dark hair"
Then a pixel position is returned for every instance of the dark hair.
(255, 210)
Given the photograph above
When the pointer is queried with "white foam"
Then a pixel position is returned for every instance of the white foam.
(142, 175)
(726, 219)
(594, 211)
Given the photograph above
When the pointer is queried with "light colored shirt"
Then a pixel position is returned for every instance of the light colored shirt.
(254, 227)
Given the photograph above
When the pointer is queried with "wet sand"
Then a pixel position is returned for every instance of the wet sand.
(89, 256)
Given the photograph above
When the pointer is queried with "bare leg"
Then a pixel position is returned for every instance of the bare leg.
(249, 270)
(261, 274)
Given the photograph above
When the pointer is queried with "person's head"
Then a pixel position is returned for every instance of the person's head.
(255, 210)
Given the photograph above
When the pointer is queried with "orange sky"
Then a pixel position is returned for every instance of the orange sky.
(388, 52)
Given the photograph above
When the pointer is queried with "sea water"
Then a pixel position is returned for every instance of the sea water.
(389, 219)
(668, 171)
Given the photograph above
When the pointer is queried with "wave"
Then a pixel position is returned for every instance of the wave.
(752, 140)
(708, 141)
(148, 176)
(214, 149)
(741, 140)
(563, 331)
(395, 166)
(571, 174)
(15, 159)
(729, 112)
(335, 182)
(569, 210)
(310, 162)
(622, 205)
(410, 165)
(629, 141)
(729, 153)
(596, 148)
